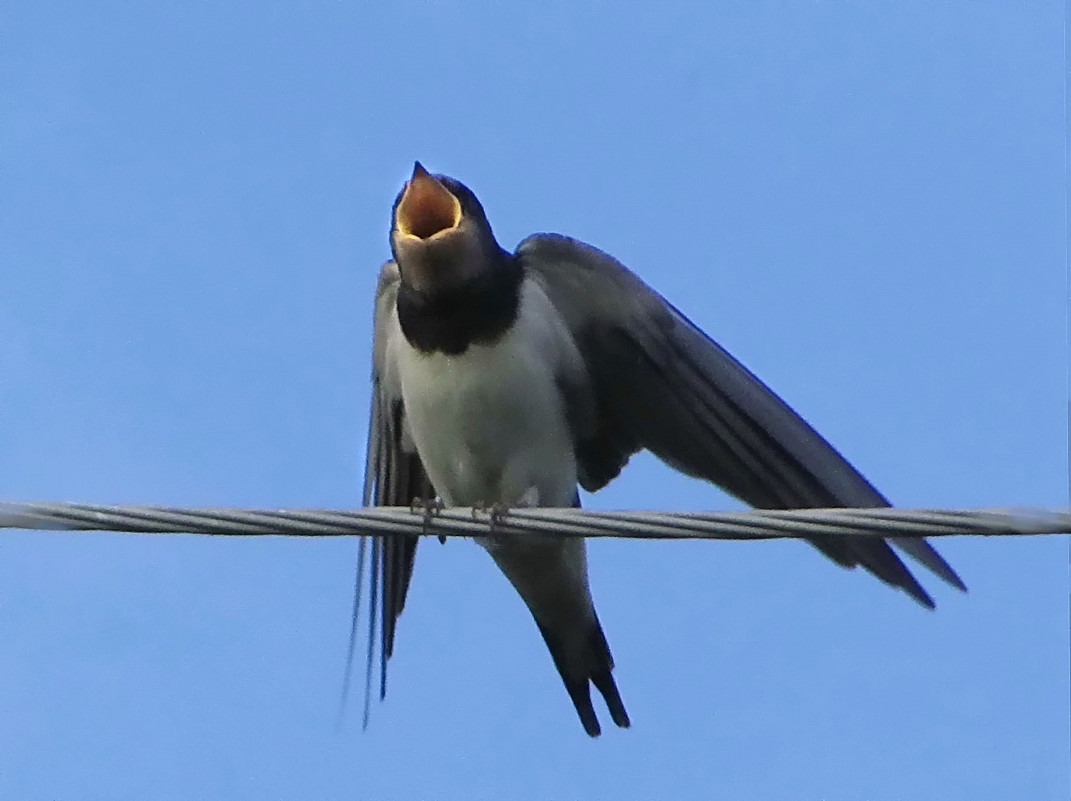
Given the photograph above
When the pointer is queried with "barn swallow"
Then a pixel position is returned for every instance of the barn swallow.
(510, 379)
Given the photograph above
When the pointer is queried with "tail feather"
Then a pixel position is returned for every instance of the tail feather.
(595, 667)
(603, 678)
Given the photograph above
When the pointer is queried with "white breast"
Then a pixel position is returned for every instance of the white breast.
(489, 424)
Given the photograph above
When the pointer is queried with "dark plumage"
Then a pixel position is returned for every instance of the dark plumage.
(500, 378)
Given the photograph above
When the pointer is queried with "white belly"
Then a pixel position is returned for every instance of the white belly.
(489, 424)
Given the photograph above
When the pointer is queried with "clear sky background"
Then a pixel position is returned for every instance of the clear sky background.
(864, 202)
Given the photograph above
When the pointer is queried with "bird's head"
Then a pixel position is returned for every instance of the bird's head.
(439, 235)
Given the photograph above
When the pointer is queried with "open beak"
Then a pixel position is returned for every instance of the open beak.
(427, 207)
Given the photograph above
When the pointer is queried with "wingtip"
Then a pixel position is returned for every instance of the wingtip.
(954, 579)
(911, 586)
(924, 599)
(926, 555)
(956, 582)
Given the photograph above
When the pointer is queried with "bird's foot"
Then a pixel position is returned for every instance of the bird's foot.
(430, 508)
(497, 512)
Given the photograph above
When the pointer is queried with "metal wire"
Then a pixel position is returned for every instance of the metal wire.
(466, 522)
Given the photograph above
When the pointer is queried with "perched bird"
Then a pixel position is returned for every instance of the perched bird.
(508, 379)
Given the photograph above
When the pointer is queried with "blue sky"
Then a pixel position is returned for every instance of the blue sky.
(864, 202)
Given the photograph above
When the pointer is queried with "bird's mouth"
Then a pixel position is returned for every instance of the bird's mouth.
(427, 207)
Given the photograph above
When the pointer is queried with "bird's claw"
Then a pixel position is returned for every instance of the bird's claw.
(496, 513)
(430, 508)
(499, 511)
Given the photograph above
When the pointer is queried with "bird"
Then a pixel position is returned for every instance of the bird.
(504, 380)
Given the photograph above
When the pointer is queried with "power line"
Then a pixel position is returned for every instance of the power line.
(467, 522)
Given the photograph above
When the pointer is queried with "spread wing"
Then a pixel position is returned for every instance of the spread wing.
(662, 384)
(393, 476)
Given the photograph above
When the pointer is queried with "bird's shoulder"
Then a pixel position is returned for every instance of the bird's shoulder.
(594, 292)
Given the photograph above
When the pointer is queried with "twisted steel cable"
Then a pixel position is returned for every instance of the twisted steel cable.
(467, 522)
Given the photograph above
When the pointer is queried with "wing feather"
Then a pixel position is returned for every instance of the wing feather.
(394, 476)
(663, 385)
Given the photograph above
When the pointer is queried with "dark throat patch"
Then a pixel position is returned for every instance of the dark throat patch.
(478, 311)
